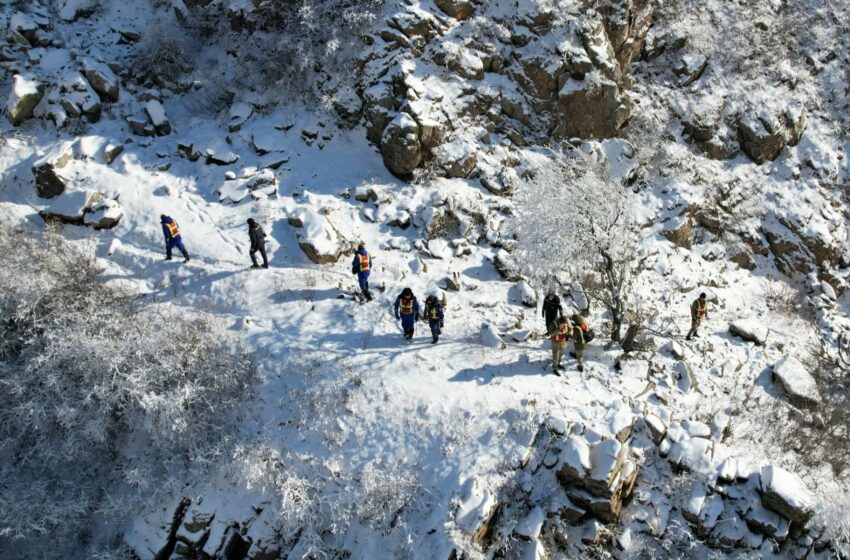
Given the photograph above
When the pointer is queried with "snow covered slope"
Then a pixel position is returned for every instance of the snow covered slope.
(726, 125)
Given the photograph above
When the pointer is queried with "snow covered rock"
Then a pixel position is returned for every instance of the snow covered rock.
(768, 523)
(112, 150)
(218, 153)
(240, 112)
(490, 337)
(784, 493)
(26, 93)
(103, 214)
(680, 231)
(457, 158)
(591, 108)
(574, 459)
(657, 427)
(760, 137)
(693, 454)
(71, 10)
(458, 9)
(506, 265)
(102, 79)
(527, 295)
(400, 145)
(319, 240)
(156, 113)
(690, 68)
(475, 510)
(529, 527)
(48, 181)
(796, 381)
(750, 330)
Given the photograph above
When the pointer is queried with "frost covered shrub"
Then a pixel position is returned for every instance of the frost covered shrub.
(163, 54)
(103, 396)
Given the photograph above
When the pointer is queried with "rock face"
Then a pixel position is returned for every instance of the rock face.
(400, 145)
(25, 95)
(592, 108)
(796, 381)
(760, 141)
(458, 9)
(48, 181)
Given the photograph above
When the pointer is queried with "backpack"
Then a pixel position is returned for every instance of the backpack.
(586, 330)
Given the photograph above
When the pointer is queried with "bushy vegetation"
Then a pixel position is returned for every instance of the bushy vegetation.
(104, 396)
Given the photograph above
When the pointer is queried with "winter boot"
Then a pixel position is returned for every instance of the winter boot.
(186, 256)
(265, 265)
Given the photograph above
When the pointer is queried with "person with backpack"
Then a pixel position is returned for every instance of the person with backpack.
(362, 267)
(172, 237)
(407, 309)
(551, 311)
(258, 243)
(434, 314)
(581, 335)
(559, 337)
(699, 310)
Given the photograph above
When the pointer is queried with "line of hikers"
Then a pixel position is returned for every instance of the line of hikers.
(559, 328)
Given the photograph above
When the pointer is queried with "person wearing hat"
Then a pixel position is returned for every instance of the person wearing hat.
(258, 243)
(434, 314)
(362, 267)
(172, 237)
(407, 309)
(699, 310)
(560, 335)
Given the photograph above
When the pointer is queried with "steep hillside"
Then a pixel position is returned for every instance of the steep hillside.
(626, 155)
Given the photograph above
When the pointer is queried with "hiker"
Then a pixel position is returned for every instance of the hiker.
(551, 311)
(559, 337)
(258, 243)
(172, 237)
(581, 335)
(434, 315)
(699, 310)
(362, 266)
(407, 309)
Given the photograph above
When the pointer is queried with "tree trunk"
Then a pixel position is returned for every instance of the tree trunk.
(615, 303)
(629, 339)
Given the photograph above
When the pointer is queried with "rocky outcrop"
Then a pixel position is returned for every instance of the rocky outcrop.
(400, 145)
(761, 139)
(88, 208)
(798, 384)
(784, 493)
(319, 239)
(592, 108)
(458, 9)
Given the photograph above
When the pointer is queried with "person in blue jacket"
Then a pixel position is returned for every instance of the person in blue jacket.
(407, 309)
(434, 316)
(362, 267)
(172, 237)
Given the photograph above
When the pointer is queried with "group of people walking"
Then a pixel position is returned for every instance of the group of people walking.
(559, 328)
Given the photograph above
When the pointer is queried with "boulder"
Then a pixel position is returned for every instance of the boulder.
(112, 151)
(458, 9)
(379, 104)
(690, 68)
(26, 93)
(458, 158)
(476, 510)
(657, 427)
(140, 125)
(48, 181)
(102, 79)
(156, 114)
(103, 214)
(796, 381)
(218, 153)
(795, 121)
(591, 108)
(71, 10)
(527, 295)
(490, 337)
(750, 330)
(784, 493)
(759, 138)
(77, 97)
(23, 29)
(319, 240)
(680, 231)
(506, 265)
(529, 526)
(400, 146)
(574, 459)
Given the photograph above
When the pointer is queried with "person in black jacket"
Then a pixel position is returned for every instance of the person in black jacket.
(258, 243)
(552, 310)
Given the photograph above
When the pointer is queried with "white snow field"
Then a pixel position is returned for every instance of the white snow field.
(730, 170)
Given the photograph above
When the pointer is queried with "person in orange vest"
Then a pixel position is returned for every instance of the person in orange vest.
(434, 314)
(581, 335)
(699, 311)
(362, 267)
(560, 334)
(407, 309)
(172, 237)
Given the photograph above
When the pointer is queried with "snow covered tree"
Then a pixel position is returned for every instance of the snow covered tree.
(571, 217)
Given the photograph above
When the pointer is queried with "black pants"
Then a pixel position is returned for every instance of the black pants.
(262, 249)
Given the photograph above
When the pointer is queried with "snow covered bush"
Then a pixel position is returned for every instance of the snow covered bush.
(104, 396)
(572, 217)
(163, 54)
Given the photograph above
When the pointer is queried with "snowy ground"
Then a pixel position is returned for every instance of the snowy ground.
(344, 397)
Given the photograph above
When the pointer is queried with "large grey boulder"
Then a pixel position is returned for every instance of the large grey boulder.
(48, 180)
(26, 93)
(156, 114)
(319, 239)
(750, 330)
(87, 208)
(102, 79)
(400, 145)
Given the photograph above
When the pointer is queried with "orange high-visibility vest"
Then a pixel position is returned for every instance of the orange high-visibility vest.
(406, 306)
(433, 313)
(364, 262)
(563, 332)
(172, 229)
(702, 306)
